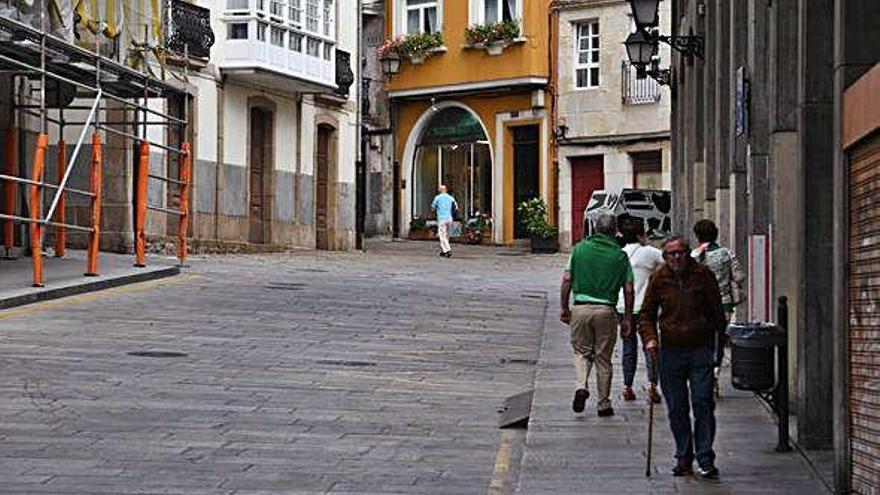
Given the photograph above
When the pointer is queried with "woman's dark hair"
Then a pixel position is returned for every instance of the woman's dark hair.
(631, 228)
(706, 231)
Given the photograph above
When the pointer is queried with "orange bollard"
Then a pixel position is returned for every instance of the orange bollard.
(140, 240)
(61, 230)
(9, 186)
(95, 184)
(36, 229)
(185, 172)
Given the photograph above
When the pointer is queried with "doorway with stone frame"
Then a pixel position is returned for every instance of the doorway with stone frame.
(324, 164)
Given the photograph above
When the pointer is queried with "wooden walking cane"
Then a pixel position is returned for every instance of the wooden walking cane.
(650, 421)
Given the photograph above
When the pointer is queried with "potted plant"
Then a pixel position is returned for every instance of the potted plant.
(419, 229)
(533, 213)
(419, 46)
(476, 229)
(493, 37)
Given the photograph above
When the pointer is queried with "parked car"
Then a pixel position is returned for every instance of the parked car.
(652, 206)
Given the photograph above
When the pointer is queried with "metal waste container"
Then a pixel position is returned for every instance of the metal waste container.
(752, 354)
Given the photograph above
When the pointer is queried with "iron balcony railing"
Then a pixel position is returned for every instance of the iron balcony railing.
(635, 90)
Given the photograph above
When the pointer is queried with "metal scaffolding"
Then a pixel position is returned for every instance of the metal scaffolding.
(67, 73)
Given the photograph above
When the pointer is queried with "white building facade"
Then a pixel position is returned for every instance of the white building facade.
(612, 128)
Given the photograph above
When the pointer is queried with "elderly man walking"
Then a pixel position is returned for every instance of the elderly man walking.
(683, 301)
(597, 270)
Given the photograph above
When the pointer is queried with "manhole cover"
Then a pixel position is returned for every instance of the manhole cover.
(157, 354)
(528, 361)
(285, 286)
(533, 296)
(312, 270)
(334, 362)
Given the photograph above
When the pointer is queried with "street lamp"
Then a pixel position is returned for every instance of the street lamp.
(640, 49)
(645, 13)
(390, 61)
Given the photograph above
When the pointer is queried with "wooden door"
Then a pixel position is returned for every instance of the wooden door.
(256, 206)
(322, 159)
(526, 171)
(587, 175)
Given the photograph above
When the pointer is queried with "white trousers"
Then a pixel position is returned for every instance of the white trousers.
(443, 234)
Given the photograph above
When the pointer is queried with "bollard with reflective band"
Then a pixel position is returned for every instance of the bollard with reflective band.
(140, 240)
(36, 229)
(95, 187)
(61, 230)
(10, 169)
(185, 172)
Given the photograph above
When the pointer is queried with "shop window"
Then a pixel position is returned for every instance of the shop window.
(454, 151)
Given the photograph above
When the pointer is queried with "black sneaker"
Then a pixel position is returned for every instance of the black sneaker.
(580, 400)
(683, 468)
(604, 413)
(708, 470)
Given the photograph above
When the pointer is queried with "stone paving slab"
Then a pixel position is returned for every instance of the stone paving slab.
(64, 276)
(568, 453)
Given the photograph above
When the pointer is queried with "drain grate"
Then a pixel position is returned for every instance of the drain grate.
(285, 286)
(157, 354)
(312, 270)
(336, 362)
(510, 253)
(528, 361)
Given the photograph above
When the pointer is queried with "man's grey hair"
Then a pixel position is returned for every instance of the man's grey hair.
(606, 223)
(676, 237)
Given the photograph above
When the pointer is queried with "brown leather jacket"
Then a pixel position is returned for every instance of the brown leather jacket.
(689, 307)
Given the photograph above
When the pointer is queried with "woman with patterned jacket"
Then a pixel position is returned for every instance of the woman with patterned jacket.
(728, 272)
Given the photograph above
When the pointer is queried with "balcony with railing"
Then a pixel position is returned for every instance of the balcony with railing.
(637, 90)
(287, 45)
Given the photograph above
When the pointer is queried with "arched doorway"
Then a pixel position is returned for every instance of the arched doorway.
(452, 149)
(260, 165)
(323, 159)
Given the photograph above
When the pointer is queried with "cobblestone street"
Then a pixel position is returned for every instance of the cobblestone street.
(343, 373)
(304, 373)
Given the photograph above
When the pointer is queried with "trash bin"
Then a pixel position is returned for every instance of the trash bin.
(752, 354)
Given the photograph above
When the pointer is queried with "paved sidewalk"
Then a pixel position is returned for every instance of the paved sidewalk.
(584, 454)
(64, 276)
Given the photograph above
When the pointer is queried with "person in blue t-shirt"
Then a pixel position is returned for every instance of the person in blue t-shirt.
(443, 204)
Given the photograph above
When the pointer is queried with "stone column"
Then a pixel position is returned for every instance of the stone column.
(816, 128)
(739, 32)
(786, 176)
(117, 221)
(759, 129)
(722, 117)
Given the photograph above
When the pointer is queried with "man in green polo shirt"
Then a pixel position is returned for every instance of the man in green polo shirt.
(596, 271)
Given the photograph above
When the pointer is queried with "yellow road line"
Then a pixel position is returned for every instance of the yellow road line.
(97, 295)
(502, 462)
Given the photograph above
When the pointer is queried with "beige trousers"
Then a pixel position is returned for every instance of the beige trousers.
(443, 234)
(593, 335)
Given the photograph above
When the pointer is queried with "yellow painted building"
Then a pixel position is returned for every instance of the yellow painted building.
(472, 116)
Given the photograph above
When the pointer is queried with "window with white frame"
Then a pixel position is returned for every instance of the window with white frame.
(294, 12)
(421, 16)
(587, 54)
(499, 10)
(313, 15)
(328, 17)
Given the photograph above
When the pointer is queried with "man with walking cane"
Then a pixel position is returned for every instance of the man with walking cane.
(683, 302)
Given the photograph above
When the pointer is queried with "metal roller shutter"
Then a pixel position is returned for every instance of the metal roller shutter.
(864, 315)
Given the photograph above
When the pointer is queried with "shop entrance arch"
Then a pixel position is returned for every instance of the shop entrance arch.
(449, 145)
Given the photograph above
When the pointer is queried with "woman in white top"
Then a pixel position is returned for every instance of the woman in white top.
(645, 259)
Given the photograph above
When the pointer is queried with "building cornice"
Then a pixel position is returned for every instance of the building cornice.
(521, 82)
(614, 138)
(565, 5)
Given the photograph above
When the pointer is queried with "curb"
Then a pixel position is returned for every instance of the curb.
(97, 285)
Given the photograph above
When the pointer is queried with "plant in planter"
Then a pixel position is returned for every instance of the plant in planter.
(476, 228)
(419, 46)
(533, 213)
(419, 229)
(494, 36)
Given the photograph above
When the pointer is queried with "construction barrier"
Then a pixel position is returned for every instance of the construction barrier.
(185, 162)
(140, 239)
(95, 186)
(35, 206)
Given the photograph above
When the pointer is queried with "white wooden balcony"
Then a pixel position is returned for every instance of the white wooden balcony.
(279, 44)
